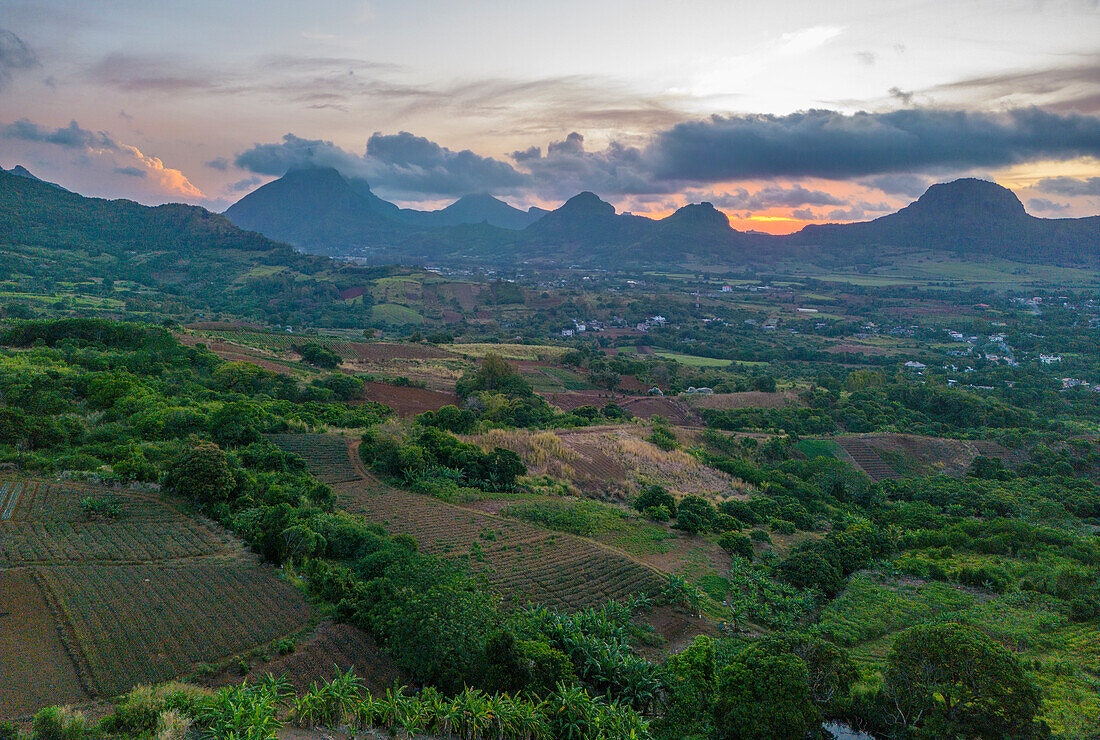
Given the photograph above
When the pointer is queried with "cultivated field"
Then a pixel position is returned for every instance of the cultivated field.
(35, 666)
(147, 623)
(46, 524)
(326, 455)
(408, 400)
(319, 654)
(884, 456)
(526, 564)
(101, 589)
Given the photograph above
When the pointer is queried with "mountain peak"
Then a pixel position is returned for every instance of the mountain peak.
(969, 199)
(587, 204)
(21, 171)
(700, 214)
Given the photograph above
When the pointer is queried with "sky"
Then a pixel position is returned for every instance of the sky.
(780, 113)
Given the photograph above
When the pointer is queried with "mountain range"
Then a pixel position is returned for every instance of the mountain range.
(321, 211)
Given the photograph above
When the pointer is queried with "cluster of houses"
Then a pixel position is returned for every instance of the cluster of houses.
(1069, 383)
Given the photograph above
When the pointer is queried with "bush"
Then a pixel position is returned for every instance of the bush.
(759, 535)
(662, 435)
(59, 723)
(736, 544)
(659, 513)
(656, 495)
(318, 356)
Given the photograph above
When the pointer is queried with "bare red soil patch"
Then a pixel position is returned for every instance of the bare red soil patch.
(674, 410)
(407, 400)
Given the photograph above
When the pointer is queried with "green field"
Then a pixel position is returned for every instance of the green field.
(694, 360)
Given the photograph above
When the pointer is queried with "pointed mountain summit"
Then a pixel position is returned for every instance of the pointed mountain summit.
(21, 171)
(318, 210)
(585, 205)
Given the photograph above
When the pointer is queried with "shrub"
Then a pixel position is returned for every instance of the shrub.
(656, 495)
(759, 535)
(659, 513)
(59, 723)
(736, 544)
(173, 725)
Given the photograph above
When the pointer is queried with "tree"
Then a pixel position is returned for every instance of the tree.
(202, 475)
(764, 697)
(494, 374)
(810, 570)
(656, 495)
(951, 680)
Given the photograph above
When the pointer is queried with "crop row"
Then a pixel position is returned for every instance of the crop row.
(127, 540)
(523, 562)
(144, 624)
(326, 455)
(61, 500)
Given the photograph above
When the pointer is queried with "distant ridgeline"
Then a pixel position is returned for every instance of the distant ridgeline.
(170, 253)
(321, 211)
(190, 251)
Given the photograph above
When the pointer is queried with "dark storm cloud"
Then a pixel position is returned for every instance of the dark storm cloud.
(829, 144)
(400, 163)
(415, 164)
(70, 137)
(1069, 185)
(15, 56)
(294, 151)
(130, 171)
(246, 184)
(889, 150)
(568, 168)
(900, 184)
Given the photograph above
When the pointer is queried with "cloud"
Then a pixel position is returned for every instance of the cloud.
(1044, 205)
(148, 73)
(398, 163)
(868, 58)
(15, 56)
(568, 168)
(823, 143)
(93, 146)
(246, 184)
(219, 163)
(1074, 87)
(772, 196)
(805, 214)
(1069, 185)
(899, 184)
(904, 96)
(70, 137)
(414, 164)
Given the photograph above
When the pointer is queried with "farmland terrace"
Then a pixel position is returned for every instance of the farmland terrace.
(102, 589)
